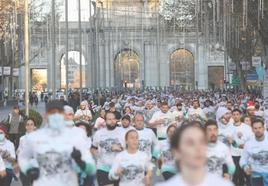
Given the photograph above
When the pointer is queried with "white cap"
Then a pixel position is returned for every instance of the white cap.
(68, 109)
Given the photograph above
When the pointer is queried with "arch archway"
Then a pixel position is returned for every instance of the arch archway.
(73, 70)
(127, 69)
(182, 72)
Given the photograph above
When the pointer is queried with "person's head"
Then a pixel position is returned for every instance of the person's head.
(195, 104)
(55, 114)
(179, 106)
(139, 121)
(132, 140)
(102, 113)
(236, 115)
(127, 110)
(3, 132)
(30, 125)
(85, 126)
(246, 120)
(211, 129)
(257, 106)
(223, 115)
(68, 113)
(83, 105)
(112, 107)
(189, 147)
(229, 105)
(207, 103)
(110, 121)
(258, 128)
(170, 131)
(125, 121)
(16, 109)
(164, 107)
(251, 109)
(149, 105)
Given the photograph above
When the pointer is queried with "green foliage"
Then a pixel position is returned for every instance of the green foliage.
(35, 115)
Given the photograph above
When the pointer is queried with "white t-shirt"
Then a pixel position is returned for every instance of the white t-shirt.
(242, 134)
(194, 113)
(219, 154)
(225, 132)
(103, 141)
(162, 128)
(7, 146)
(125, 130)
(259, 113)
(177, 115)
(134, 166)
(83, 113)
(255, 155)
(169, 162)
(50, 151)
(210, 180)
(148, 142)
(2, 164)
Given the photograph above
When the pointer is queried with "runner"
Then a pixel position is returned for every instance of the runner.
(242, 134)
(83, 113)
(100, 122)
(226, 128)
(55, 154)
(190, 148)
(84, 179)
(149, 111)
(219, 155)
(132, 167)
(7, 153)
(15, 125)
(68, 116)
(107, 143)
(195, 112)
(126, 123)
(178, 114)
(254, 157)
(167, 162)
(30, 126)
(148, 142)
(161, 120)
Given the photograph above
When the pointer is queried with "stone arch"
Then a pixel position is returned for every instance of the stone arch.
(73, 72)
(127, 64)
(182, 68)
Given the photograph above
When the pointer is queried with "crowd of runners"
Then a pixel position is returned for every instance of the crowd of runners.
(204, 138)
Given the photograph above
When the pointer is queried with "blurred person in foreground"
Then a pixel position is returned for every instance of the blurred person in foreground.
(189, 147)
(55, 155)
(7, 153)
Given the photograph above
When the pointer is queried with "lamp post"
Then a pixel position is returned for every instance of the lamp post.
(66, 47)
(26, 55)
(80, 48)
(54, 65)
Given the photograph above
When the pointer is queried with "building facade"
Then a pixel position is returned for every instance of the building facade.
(131, 44)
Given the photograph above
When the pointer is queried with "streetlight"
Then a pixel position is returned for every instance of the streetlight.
(26, 55)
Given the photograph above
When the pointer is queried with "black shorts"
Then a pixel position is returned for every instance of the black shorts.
(167, 175)
(103, 179)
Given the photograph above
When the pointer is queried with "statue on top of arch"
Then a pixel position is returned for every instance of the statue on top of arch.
(180, 11)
